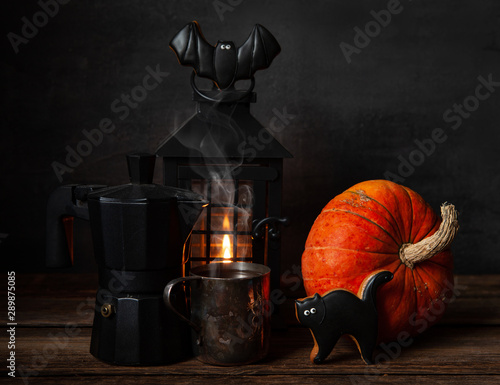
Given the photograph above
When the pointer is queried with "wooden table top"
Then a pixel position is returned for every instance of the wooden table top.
(463, 349)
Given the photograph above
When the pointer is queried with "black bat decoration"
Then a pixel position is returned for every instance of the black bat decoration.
(224, 64)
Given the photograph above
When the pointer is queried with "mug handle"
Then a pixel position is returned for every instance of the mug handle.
(166, 298)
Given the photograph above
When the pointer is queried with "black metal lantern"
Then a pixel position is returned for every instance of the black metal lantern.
(225, 154)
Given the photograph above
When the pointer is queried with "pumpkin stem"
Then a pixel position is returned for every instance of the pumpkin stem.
(412, 253)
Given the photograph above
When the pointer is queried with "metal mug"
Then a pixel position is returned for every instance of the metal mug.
(230, 311)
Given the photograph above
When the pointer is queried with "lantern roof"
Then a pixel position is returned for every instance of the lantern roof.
(224, 131)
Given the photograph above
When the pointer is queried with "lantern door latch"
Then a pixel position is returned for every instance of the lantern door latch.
(259, 225)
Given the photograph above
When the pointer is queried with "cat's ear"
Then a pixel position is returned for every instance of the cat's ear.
(316, 296)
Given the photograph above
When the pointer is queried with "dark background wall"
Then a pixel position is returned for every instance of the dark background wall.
(353, 121)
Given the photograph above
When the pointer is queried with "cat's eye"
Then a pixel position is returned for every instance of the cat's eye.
(313, 310)
(306, 312)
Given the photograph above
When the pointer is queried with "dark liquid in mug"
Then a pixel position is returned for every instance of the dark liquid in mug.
(236, 270)
(235, 274)
(224, 272)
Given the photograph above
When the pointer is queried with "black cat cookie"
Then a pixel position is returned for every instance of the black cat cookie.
(339, 312)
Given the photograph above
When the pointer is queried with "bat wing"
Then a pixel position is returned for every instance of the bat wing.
(256, 53)
(193, 50)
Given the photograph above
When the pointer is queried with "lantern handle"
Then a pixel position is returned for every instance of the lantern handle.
(274, 232)
(223, 94)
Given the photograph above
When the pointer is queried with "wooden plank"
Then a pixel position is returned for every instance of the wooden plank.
(271, 379)
(443, 350)
(58, 285)
(473, 311)
(478, 286)
(477, 302)
(53, 300)
(463, 311)
(74, 285)
(55, 312)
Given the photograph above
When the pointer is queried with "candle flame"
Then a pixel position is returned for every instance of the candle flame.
(226, 249)
(226, 242)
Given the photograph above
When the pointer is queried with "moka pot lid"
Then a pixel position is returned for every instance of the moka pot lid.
(141, 189)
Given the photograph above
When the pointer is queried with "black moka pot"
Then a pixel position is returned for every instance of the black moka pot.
(138, 231)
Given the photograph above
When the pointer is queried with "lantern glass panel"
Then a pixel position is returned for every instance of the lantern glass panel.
(226, 222)
(245, 247)
(198, 245)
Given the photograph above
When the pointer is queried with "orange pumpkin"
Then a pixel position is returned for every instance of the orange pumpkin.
(380, 225)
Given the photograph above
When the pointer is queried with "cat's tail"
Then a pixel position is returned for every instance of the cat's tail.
(368, 289)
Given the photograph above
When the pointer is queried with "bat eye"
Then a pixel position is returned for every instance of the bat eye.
(313, 310)
(307, 312)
